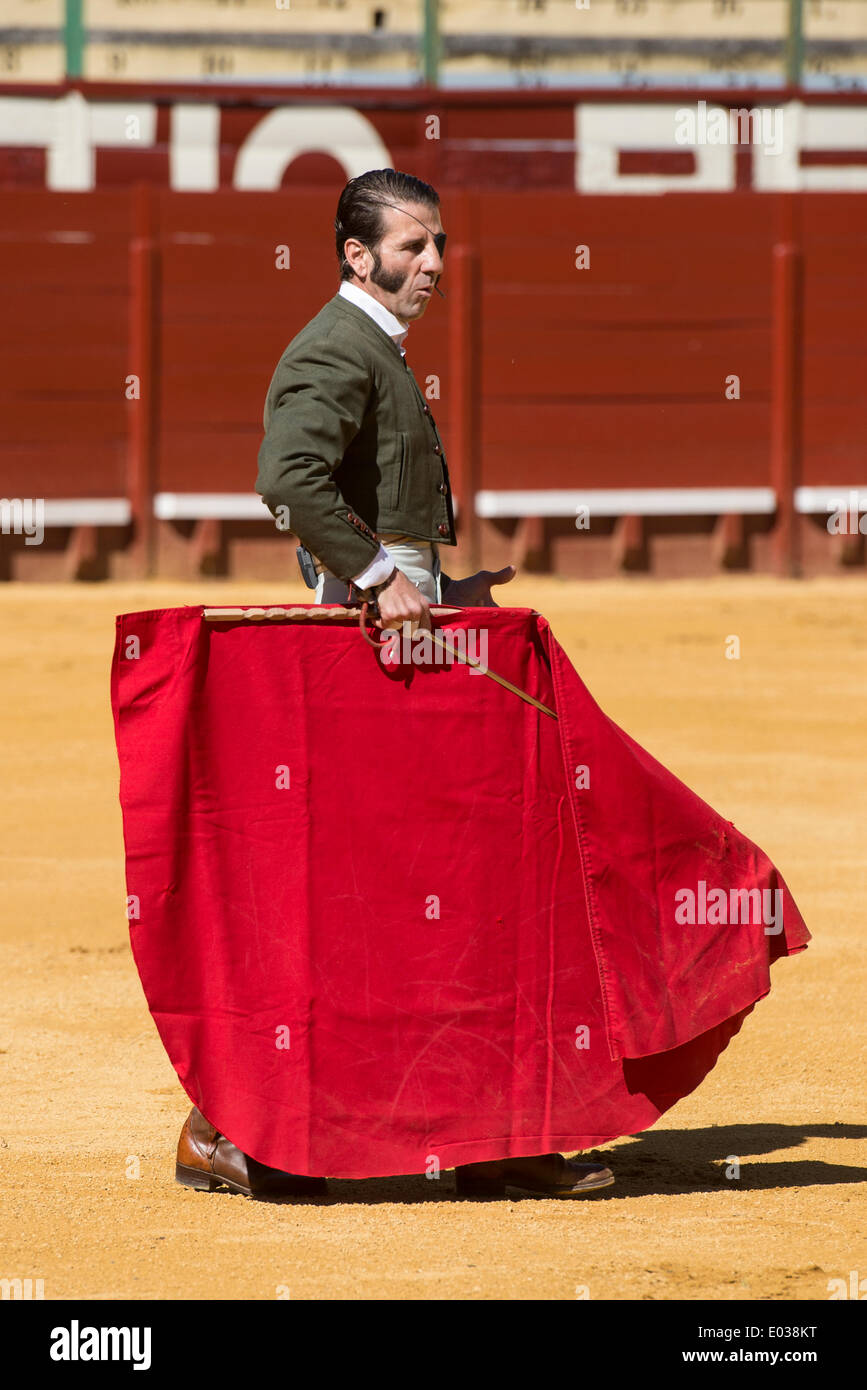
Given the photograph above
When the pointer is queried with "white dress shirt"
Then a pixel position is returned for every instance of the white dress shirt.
(382, 564)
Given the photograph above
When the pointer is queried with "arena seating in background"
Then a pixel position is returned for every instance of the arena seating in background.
(482, 42)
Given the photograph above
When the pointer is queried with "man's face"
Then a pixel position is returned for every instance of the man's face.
(404, 268)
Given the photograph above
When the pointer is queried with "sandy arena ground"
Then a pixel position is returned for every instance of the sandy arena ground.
(776, 741)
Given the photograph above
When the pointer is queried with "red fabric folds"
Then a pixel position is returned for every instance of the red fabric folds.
(389, 917)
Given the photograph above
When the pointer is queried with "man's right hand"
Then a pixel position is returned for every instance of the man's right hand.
(403, 603)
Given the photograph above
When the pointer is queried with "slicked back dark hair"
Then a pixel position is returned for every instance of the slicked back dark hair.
(359, 210)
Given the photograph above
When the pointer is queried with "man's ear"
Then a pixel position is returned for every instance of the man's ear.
(358, 246)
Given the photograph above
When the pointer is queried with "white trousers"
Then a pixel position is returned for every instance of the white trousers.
(418, 560)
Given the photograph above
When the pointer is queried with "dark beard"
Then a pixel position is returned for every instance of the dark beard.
(389, 280)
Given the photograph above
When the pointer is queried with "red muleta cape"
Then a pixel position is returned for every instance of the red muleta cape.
(393, 916)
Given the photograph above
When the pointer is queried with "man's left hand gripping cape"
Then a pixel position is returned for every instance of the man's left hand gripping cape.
(393, 918)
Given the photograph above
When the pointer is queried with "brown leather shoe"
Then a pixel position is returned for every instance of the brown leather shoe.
(207, 1160)
(548, 1174)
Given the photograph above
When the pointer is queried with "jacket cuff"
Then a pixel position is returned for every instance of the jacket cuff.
(352, 553)
(379, 569)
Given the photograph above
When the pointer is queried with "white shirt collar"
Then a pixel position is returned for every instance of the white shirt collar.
(393, 326)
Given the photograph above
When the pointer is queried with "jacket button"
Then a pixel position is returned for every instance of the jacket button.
(349, 516)
(426, 409)
(442, 487)
(443, 529)
(437, 449)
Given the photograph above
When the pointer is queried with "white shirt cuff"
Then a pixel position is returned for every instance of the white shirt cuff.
(379, 569)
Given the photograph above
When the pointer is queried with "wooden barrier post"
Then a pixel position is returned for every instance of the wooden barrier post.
(465, 370)
(786, 410)
(144, 365)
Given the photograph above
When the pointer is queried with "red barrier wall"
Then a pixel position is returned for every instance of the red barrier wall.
(64, 347)
(610, 376)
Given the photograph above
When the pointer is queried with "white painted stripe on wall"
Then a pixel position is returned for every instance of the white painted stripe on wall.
(198, 506)
(87, 511)
(662, 501)
(809, 500)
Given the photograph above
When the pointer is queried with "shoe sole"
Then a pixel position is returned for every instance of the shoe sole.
(207, 1182)
(585, 1190)
(210, 1182)
(479, 1188)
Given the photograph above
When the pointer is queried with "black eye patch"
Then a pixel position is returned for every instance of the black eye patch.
(440, 243)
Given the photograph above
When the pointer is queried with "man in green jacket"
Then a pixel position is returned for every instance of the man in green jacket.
(351, 452)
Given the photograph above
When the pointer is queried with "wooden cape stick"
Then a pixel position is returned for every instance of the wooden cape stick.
(320, 614)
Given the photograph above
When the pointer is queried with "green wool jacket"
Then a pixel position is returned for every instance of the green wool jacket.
(350, 447)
